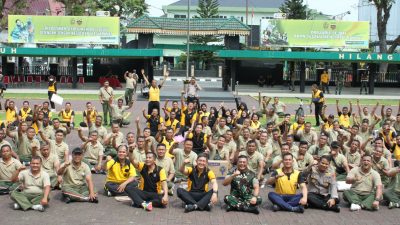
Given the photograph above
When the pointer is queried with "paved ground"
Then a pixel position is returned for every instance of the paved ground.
(108, 211)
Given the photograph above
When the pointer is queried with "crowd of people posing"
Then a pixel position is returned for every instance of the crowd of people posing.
(302, 163)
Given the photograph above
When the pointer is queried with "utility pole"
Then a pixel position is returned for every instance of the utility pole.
(247, 18)
(188, 40)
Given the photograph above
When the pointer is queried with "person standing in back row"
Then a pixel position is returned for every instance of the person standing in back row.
(106, 92)
(131, 81)
(325, 81)
(154, 92)
(317, 97)
(364, 82)
(51, 90)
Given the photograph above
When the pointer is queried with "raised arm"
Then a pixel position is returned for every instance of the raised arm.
(80, 134)
(165, 78)
(43, 137)
(145, 78)
(359, 107)
(138, 129)
(351, 107)
(337, 106)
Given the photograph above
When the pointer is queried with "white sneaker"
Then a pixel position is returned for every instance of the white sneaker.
(355, 207)
(39, 208)
(109, 194)
(16, 206)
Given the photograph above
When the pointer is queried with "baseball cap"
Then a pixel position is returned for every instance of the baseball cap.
(77, 151)
(335, 144)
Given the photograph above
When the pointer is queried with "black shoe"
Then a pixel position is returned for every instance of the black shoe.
(298, 209)
(208, 207)
(253, 209)
(276, 208)
(229, 208)
(94, 201)
(189, 208)
(336, 208)
(67, 200)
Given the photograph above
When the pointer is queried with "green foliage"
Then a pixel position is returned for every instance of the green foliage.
(295, 9)
(206, 9)
(17, 8)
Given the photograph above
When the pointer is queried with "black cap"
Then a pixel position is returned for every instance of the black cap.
(77, 151)
(335, 144)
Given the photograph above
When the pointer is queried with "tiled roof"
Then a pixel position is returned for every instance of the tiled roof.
(198, 26)
(236, 3)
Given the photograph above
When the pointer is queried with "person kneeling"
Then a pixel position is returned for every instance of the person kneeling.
(286, 180)
(245, 188)
(198, 196)
(322, 188)
(153, 189)
(120, 173)
(77, 183)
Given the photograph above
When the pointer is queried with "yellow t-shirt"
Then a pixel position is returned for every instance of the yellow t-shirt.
(396, 152)
(154, 94)
(24, 113)
(11, 115)
(324, 78)
(52, 87)
(117, 174)
(66, 116)
(287, 185)
(168, 145)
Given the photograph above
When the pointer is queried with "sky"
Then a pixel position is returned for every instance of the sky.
(330, 7)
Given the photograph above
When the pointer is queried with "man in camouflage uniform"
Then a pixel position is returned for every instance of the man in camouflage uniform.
(244, 194)
(339, 81)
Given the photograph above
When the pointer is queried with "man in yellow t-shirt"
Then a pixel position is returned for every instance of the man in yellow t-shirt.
(286, 180)
(51, 90)
(154, 92)
(153, 189)
(120, 173)
(11, 112)
(325, 81)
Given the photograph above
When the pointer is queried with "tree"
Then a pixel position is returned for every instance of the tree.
(206, 9)
(15, 7)
(383, 8)
(295, 9)
(125, 8)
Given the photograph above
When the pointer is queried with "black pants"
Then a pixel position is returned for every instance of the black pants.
(319, 201)
(153, 105)
(139, 196)
(318, 110)
(113, 188)
(201, 199)
(364, 84)
(50, 94)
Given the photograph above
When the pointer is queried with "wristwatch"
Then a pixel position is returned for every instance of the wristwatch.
(215, 192)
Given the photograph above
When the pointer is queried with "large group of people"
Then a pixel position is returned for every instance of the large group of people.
(302, 163)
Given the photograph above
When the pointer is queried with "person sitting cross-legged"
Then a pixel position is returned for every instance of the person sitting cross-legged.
(286, 180)
(153, 189)
(120, 173)
(35, 187)
(198, 196)
(77, 183)
(245, 187)
(366, 186)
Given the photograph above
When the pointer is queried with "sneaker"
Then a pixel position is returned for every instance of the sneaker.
(39, 208)
(208, 207)
(392, 205)
(189, 208)
(397, 205)
(276, 208)
(171, 192)
(17, 206)
(355, 207)
(149, 206)
(109, 194)
(96, 200)
(253, 209)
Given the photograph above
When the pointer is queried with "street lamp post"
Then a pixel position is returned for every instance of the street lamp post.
(188, 40)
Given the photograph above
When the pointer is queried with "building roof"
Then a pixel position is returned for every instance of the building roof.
(34, 7)
(236, 3)
(178, 26)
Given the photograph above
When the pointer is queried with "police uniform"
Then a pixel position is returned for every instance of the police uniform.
(198, 192)
(321, 187)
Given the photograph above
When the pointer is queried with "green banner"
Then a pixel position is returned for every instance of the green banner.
(63, 29)
(314, 34)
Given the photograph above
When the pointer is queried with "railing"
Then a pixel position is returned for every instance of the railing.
(46, 70)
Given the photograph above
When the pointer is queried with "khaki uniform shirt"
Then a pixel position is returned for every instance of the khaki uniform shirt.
(379, 166)
(264, 149)
(7, 170)
(102, 132)
(33, 184)
(93, 152)
(220, 131)
(276, 149)
(76, 175)
(339, 160)
(231, 146)
(130, 82)
(310, 137)
(48, 164)
(367, 181)
(316, 150)
(279, 158)
(353, 158)
(25, 145)
(303, 163)
(167, 164)
(215, 154)
(119, 139)
(106, 94)
(140, 155)
(118, 113)
(180, 156)
(254, 160)
(58, 149)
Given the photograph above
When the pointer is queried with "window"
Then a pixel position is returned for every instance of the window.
(179, 16)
